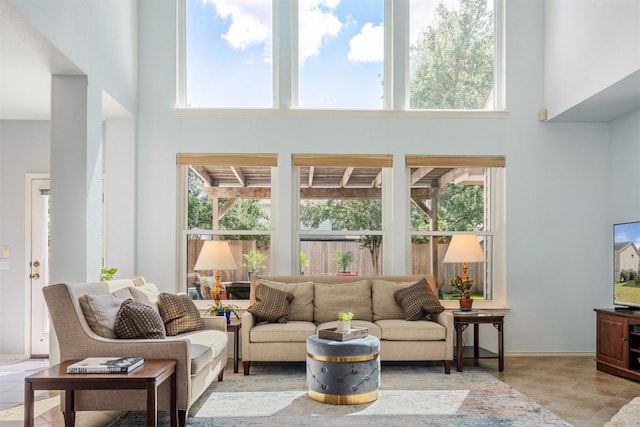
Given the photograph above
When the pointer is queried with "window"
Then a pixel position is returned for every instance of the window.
(349, 54)
(453, 195)
(341, 54)
(340, 213)
(228, 198)
(228, 54)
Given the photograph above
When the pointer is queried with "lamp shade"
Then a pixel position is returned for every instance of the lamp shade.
(215, 255)
(464, 248)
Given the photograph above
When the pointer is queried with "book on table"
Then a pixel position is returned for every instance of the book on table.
(105, 365)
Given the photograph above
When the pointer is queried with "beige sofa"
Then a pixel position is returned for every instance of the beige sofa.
(318, 299)
(201, 354)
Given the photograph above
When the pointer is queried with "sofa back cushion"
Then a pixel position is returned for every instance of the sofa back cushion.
(332, 298)
(384, 305)
(301, 307)
(100, 310)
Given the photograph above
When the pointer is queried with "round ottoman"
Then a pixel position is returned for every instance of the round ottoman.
(343, 372)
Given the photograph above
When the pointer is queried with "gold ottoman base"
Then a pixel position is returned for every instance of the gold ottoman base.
(352, 399)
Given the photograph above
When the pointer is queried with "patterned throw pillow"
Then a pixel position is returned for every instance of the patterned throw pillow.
(418, 301)
(271, 304)
(136, 320)
(179, 314)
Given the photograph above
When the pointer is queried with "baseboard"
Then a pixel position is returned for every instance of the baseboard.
(550, 354)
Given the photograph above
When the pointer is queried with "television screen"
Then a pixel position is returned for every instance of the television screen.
(626, 262)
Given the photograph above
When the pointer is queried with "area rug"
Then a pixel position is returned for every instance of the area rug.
(417, 394)
(627, 416)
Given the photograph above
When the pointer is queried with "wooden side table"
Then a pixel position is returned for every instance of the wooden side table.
(147, 377)
(462, 321)
(235, 326)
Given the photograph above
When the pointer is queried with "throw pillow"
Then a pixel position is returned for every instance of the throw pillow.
(179, 314)
(100, 310)
(301, 307)
(271, 304)
(146, 293)
(418, 301)
(136, 320)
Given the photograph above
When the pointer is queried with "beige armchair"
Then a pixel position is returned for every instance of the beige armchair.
(201, 355)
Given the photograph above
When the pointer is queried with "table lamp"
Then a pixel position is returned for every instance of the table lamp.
(464, 248)
(215, 255)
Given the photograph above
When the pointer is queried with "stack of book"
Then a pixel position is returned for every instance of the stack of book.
(105, 365)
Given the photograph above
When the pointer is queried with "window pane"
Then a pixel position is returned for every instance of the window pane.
(341, 54)
(450, 199)
(228, 54)
(451, 54)
(339, 207)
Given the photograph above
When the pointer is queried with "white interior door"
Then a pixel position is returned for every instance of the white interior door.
(39, 265)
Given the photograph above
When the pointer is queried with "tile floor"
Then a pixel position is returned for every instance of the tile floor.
(569, 386)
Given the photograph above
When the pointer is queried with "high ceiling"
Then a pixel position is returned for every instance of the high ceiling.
(27, 61)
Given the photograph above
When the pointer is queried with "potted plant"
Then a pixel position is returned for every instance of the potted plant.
(343, 259)
(107, 273)
(221, 309)
(304, 261)
(463, 288)
(344, 321)
(254, 262)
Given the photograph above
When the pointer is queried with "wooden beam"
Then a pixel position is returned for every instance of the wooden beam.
(422, 207)
(201, 171)
(346, 176)
(377, 181)
(227, 206)
(313, 193)
(312, 170)
(239, 175)
(419, 174)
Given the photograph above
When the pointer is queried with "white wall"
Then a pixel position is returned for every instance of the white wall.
(591, 44)
(558, 249)
(623, 165)
(24, 148)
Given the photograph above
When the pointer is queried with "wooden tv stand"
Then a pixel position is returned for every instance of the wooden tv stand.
(618, 342)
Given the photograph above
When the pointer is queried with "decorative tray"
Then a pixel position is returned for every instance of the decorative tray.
(335, 335)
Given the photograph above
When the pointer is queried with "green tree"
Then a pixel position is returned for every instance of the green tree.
(461, 208)
(199, 206)
(452, 61)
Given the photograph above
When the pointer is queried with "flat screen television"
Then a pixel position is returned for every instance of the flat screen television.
(626, 264)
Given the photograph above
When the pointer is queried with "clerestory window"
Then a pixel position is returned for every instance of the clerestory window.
(341, 54)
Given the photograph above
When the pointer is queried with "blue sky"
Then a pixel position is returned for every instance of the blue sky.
(628, 232)
(229, 52)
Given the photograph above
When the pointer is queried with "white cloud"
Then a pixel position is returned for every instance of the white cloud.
(250, 21)
(368, 45)
(317, 23)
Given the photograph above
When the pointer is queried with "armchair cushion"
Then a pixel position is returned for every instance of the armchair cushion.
(271, 304)
(100, 310)
(179, 314)
(418, 301)
(138, 320)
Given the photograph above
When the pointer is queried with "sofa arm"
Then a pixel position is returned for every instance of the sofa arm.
(446, 319)
(218, 323)
(247, 324)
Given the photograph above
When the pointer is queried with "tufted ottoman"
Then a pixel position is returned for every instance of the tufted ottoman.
(343, 372)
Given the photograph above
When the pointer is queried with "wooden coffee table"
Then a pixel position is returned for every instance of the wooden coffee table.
(147, 377)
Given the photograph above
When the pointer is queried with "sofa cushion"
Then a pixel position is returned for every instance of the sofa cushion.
(301, 307)
(404, 330)
(100, 310)
(272, 305)
(179, 314)
(146, 293)
(201, 356)
(418, 301)
(332, 298)
(294, 331)
(213, 340)
(136, 320)
(384, 305)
